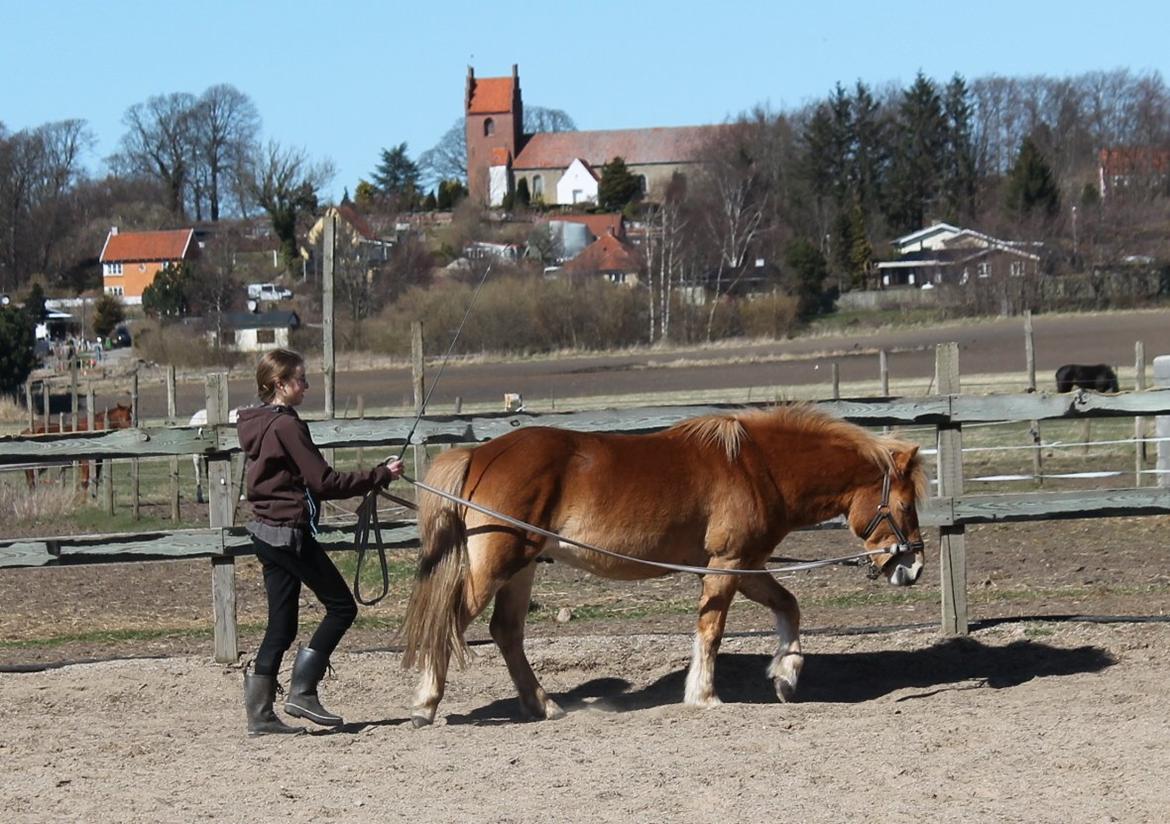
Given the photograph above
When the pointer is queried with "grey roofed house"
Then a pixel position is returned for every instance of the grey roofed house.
(256, 331)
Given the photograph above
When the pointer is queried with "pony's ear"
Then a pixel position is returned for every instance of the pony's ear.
(903, 458)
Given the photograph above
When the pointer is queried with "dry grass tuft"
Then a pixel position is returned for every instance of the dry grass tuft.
(50, 500)
(11, 411)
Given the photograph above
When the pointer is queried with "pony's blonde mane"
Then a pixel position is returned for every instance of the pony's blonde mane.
(728, 432)
(723, 431)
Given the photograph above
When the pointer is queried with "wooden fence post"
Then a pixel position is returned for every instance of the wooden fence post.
(1162, 423)
(74, 418)
(1139, 423)
(28, 404)
(107, 472)
(328, 355)
(884, 377)
(952, 541)
(45, 403)
(90, 423)
(220, 513)
(361, 414)
(1033, 426)
(418, 383)
(174, 462)
(836, 381)
(135, 486)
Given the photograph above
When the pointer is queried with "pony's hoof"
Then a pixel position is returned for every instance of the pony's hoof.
(553, 711)
(706, 702)
(785, 690)
(420, 721)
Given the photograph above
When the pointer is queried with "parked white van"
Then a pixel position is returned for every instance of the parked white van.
(268, 291)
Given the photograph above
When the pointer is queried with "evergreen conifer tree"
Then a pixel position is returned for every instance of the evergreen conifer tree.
(618, 186)
(1031, 187)
(918, 162)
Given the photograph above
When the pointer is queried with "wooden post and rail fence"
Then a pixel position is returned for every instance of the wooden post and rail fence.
(949, 511)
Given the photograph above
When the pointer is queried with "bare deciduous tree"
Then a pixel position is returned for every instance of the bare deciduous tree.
(733, 202)
(159, 143)
(225, 124)
(286, 184)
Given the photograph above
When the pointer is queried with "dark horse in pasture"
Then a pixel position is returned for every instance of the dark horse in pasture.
(716, 493)
(119, 417)
(1098, 377)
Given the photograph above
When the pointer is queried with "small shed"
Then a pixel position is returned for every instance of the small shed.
(255, 331)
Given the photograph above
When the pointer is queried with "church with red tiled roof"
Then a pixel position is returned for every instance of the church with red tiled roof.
(500, 155)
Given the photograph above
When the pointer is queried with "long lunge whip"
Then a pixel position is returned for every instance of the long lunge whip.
(367, 511)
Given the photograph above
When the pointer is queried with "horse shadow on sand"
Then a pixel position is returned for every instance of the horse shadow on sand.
(833, 678)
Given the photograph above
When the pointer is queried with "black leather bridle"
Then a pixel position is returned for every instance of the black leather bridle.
(904, 544)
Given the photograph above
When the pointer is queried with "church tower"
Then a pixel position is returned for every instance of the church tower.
(495, 131)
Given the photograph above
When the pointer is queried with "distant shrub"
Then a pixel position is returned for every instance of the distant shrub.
(769, 316)
(520, 314)
(178, 345)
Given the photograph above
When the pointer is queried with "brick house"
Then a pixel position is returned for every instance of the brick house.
(130, 260)
(942, 253)
(499, 154)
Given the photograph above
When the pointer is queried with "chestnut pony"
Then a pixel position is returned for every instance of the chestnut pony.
(117, 417)
(717, 492)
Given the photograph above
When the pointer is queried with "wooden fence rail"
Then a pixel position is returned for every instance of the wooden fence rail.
(949, 512)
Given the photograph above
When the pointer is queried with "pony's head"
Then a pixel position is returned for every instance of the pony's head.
(118, 417)
(884, 514)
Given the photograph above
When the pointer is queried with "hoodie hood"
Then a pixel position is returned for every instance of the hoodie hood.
(253, 422)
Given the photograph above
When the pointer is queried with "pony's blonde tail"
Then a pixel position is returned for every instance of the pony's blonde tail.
(431, 629)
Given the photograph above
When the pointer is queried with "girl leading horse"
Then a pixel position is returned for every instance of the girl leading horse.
(717, 492)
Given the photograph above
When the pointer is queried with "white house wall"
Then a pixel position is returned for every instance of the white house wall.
(246, 340)
(497, 185)
(576, 179)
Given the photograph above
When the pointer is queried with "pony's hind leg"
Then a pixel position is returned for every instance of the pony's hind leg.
(491, 560)
(718, 590)
(788, 661)
(507, 628)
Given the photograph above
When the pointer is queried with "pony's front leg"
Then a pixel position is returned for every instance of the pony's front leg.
(507, 628)
(788, 661)
(718, 590)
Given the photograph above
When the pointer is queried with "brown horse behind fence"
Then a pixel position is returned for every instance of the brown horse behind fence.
(117, 417)
(716, 492)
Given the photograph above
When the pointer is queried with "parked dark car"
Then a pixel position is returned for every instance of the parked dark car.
(120, 337)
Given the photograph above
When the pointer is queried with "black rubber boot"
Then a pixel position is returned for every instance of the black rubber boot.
(259, 693)
(302, 701)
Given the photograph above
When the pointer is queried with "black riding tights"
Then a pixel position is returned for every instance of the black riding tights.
(284, 572)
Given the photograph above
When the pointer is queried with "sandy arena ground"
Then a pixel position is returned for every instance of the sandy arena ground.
(1022, 722)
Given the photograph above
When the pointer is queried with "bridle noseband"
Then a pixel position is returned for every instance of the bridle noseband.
(904, 544)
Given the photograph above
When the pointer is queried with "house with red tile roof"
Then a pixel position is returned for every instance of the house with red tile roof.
(130, 260)
(1136, 168)
(618, 261)
(499, 154)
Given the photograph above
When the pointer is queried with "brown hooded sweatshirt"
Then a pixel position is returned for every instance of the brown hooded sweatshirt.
(287, 475)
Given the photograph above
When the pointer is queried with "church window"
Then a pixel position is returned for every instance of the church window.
(537, 186)
(489, 127)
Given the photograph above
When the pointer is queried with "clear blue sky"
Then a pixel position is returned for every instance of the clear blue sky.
(344, 79)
